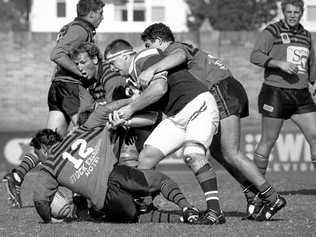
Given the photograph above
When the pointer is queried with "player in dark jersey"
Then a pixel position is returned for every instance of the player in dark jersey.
(68, 94)
(88, 64)
(192, 117)
(232, 103)
(285, 50)
(85, 162)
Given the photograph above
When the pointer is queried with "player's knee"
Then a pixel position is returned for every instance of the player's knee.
(194, 155)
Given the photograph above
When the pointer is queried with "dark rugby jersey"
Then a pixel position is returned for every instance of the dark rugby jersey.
(278, 41)
(202, 65)
(70, 36)
(182, 86)
(82, 162)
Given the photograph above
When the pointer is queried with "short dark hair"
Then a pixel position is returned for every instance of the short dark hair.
(47, 137)
(88, 47)
(297, 3)
(117, 46)
(86, 6)
(156, 30)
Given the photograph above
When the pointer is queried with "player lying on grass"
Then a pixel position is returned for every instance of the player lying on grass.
(85, 162)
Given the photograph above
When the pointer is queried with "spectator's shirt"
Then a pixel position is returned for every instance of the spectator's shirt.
(182, 86)
(206, 67)
(82, 162)
(278, 41)
(70, 36)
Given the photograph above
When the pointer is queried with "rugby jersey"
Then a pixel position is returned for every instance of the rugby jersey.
(82, 162)
(182, 86)
(278, 41)
(206, 67)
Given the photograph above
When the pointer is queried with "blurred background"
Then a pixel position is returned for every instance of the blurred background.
(28, 30)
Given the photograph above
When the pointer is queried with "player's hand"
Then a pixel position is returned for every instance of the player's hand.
(145, 77)
(115, 120)
(290, 68)
(125, 112)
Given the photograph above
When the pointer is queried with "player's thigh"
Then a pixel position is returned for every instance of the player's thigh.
(203, 123)
(167, 137)
(307, 123)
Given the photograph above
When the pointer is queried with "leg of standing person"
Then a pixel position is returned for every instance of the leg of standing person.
(307, 124)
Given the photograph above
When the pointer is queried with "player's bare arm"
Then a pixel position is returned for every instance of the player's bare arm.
(287, 67)
(150, 95)
(175, 58)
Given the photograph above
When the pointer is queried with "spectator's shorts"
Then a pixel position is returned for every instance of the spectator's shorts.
(231, 98)
(282, 103)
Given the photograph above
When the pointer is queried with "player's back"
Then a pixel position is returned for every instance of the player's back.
(204, 66)
(82, 162)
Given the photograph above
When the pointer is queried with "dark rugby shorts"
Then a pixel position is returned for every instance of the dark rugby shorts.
(64, 97)
(282, 103)
(124, 185)
(231, 98)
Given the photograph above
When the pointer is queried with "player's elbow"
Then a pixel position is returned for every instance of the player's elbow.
(161, 88)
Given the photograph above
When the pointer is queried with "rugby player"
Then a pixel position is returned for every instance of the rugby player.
(232, 103)
(285, 50)
(192, 117)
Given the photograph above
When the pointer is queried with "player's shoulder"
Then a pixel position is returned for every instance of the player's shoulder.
(274, 28)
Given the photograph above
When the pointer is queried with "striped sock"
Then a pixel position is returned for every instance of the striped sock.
(29, 161)
(267, 192)
(171, 191)
(158, 216)
(261, 162)
(208, 182)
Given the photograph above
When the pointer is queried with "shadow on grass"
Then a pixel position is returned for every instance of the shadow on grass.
(311, 192)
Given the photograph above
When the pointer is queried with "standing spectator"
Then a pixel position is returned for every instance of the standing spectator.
(285, 50)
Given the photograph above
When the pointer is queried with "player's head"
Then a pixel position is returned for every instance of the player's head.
(86, 56)
(157, 35)
(292, 11)
(43, 140)
(91, 10)
(119, 54)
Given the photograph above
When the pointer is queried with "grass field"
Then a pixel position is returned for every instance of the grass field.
(297, 219)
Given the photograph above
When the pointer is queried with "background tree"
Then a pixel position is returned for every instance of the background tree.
(234, 15)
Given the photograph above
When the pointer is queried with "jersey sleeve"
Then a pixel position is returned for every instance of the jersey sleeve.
(312, 65)
(45, 189)
(260, 53)
(74, 36)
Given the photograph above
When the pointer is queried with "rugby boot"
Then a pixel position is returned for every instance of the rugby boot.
(212, 217)
(253, 207)
(190, 215)
(269, 209)
(13, 188)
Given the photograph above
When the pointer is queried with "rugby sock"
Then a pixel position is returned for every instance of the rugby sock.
(249, 191)
(261, 162)
(208, 182)
(29, 161)
(171, 191)
(158, 216)
(267, 192)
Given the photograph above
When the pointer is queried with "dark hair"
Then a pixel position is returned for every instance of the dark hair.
(86, 6)
(156, 30)
(117, 46)
(47, 137)
(297, 3)
(86, 47)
